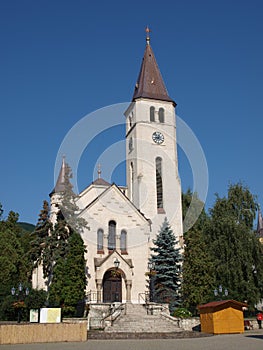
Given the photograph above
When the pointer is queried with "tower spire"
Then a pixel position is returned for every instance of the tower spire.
(150, 83)
(60, 184)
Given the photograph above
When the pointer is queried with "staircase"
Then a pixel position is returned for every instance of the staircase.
(135, 319)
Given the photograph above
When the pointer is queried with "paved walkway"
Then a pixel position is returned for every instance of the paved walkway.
(252, 340)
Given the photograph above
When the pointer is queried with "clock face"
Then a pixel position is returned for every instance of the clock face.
(158, 137)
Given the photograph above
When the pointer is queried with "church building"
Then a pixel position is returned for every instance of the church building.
(123, 221)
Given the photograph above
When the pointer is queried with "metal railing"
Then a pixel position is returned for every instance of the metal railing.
(144, 298)
(114, 313)
(92, 296)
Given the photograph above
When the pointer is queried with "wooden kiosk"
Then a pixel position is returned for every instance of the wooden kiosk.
(222, 317)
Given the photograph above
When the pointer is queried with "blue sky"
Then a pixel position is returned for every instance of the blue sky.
(61, 60)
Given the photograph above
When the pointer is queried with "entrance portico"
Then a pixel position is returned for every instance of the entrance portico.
(113, 283)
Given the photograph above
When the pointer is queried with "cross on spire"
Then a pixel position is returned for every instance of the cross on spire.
(147, 30)
(99, 171)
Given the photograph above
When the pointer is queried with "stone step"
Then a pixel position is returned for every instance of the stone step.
(135, 319)
(145, 335)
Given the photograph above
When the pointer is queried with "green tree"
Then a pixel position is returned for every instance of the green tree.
(40, 235)
(236, 252)
(63, 250)
(68, 207)
(69, 281)
(10, 260)
(198, 268)
(14, 242)
(166, 260)
(1, 211)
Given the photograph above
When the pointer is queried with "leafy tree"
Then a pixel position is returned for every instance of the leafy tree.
(198, 268)
(236, 252)
(14, 246)
(10, 261)
(167, 268)
(14, 269)
(36, 299)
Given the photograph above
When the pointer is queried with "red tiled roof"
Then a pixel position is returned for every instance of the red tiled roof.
(214, 304)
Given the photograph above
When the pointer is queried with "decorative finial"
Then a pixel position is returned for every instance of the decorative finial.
(99, 170)
(147, 30)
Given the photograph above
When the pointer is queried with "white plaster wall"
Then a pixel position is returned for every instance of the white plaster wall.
(143, 157)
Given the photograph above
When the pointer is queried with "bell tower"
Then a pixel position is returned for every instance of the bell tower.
(151, 154)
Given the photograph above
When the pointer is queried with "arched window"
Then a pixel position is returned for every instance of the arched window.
(123, 243)
(152, 112)
(161, 115)
(130, 121)
(112, 235)
(159, 183)
(100, 241)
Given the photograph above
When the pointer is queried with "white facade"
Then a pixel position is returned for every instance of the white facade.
(122, 227)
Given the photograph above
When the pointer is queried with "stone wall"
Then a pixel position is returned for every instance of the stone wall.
(96, 314)
(26, 333)
(190, 324)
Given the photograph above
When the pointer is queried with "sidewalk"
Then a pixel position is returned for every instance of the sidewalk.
(252, 340)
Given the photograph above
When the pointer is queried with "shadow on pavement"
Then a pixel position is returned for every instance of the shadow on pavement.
(256, 336)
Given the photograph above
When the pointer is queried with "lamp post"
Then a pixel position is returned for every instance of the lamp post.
(219, 292)
(20, 294)
(117, 277)
(151, 267)
(116, 263)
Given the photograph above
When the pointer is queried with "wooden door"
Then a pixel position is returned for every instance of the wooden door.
(112, 291)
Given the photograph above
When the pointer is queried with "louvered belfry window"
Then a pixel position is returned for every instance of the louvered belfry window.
(161, 115)
(152, 112)
(159, 182)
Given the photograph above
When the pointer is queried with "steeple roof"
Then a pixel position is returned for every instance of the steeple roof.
(60, 184)
(150, 83)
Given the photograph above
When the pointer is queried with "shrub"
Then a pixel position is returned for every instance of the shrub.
(182, 313)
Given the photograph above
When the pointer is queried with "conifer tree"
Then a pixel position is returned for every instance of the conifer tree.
(166, 262)
(40, 235)
(68, 207)
(69, 280)
(64, 249)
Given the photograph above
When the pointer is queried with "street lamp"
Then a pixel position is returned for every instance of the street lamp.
(20, 294)
(219, 292)
(116, 263)
(151, 267)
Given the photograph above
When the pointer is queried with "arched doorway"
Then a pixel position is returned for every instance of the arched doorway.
(112, 286)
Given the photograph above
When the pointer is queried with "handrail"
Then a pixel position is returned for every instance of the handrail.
(113, 310)
(91, 296)
(144, 296)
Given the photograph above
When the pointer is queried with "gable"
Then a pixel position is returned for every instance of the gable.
(113, 203)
